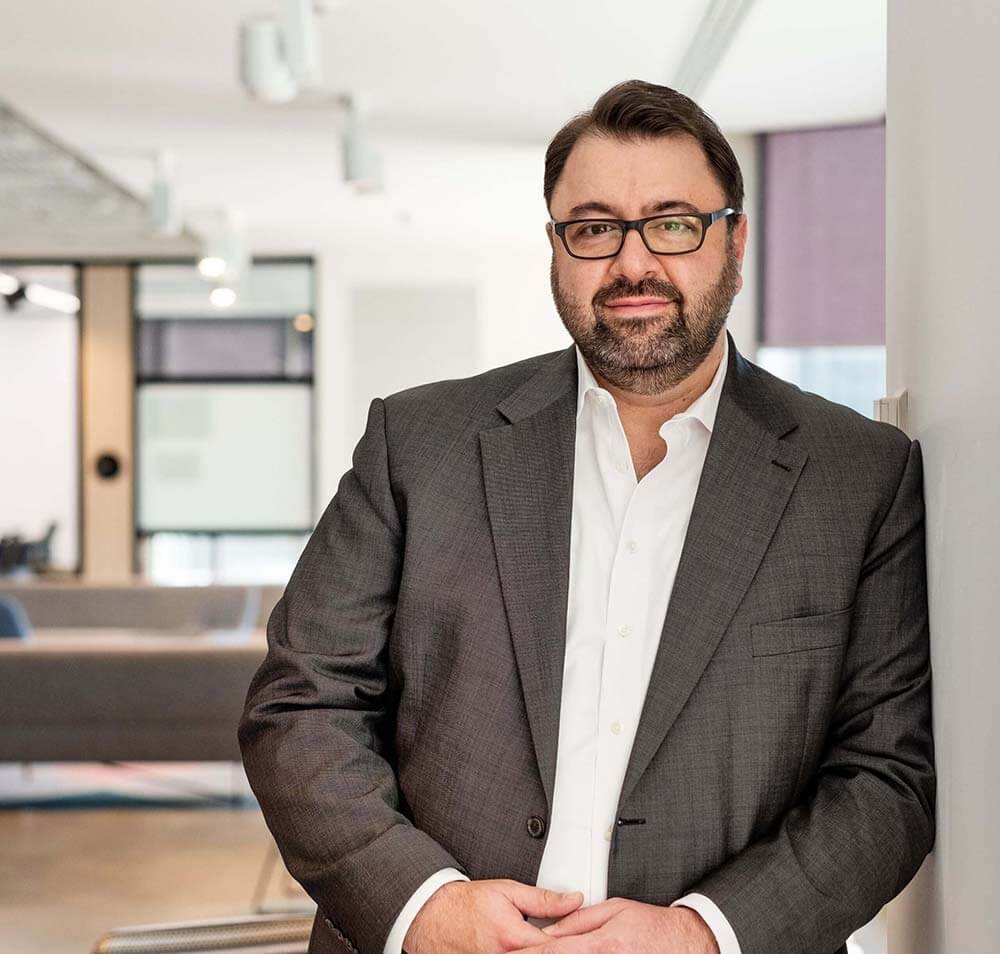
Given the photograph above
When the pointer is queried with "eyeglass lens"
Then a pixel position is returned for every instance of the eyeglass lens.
(669, 233)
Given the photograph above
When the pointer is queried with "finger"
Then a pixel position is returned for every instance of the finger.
(541, 902)
(584, 919)
(521, 934)
(562, 945)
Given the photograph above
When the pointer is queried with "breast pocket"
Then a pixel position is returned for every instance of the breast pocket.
(800, 634)
(796, 670)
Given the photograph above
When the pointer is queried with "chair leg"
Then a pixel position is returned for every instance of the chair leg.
(264, 878)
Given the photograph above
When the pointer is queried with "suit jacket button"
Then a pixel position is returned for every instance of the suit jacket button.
(536, 826)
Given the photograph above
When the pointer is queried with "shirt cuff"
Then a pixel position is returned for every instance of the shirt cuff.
(394, 942)
(717, 922)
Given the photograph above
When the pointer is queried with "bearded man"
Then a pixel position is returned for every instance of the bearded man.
(619, 648)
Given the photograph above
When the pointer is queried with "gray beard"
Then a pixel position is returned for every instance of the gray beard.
(631, 358)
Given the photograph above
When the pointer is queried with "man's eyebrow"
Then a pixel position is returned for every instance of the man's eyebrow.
(602, 208)
(670, 205)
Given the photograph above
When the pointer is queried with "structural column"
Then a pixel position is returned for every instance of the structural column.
(107, 388)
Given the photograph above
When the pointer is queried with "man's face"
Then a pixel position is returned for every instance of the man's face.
(644, 322)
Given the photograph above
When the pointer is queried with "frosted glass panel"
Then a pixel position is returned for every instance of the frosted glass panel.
(224, 457)
(202, 559)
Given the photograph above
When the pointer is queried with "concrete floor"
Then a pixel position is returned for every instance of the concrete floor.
(69, 875)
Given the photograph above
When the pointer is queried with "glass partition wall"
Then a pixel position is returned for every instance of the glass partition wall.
(224, 423)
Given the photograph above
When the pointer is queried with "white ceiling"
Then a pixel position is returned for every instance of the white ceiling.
(462, 96)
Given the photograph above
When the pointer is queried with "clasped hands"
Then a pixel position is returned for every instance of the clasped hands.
(488, 917)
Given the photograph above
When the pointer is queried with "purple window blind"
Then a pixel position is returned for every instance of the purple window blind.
(824, 237)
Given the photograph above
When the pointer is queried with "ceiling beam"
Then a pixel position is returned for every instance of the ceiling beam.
(718, 27)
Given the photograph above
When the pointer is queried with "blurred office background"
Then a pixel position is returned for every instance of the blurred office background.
(215, 251)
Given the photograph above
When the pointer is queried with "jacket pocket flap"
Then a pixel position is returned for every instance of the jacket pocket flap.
(801, 633)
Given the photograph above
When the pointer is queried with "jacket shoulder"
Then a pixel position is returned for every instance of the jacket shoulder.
(828, 430)
(468, 402)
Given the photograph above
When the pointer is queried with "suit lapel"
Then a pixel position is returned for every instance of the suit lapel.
(528, 475)
(748, 476)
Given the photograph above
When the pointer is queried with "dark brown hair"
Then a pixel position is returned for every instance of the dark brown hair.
(637, 110)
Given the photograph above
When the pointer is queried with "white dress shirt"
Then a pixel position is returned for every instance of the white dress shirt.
(625, 544)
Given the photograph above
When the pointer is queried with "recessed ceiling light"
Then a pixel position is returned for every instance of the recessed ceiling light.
(222, 297)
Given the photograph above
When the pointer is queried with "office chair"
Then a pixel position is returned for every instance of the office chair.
(13, 619)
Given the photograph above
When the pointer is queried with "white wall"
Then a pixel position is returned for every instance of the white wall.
(39, 451)
(514, 318)
(943, 338)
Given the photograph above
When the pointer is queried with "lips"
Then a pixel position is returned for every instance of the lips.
(633, 308)
(636, 302)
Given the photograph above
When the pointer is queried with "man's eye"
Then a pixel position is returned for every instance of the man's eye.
(675, 225)
(597, 228)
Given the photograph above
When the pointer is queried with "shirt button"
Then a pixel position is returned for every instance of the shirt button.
(624, 630)
(536, 826)
(616, 727)
(632, 546)
(622, 466)
(607, 834)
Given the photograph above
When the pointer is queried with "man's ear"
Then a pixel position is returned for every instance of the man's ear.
(737, 240)
(740, 235)
(550, 235)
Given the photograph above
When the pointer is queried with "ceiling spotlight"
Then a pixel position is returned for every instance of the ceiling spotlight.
(51, 298)
(211, 266)
(222, 297)
(264, 70)
(280, 56)
(14, 298)
(362, 165)
(300, 40)
(163, 207)
(223, 253)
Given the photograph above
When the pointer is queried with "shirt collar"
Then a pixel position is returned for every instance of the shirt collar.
(704, 407)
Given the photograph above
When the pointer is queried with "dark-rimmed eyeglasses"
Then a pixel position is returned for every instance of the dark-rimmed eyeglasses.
(675, 234)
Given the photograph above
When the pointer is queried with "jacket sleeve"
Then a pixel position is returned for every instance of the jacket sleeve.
(867, 821)
(319, 710)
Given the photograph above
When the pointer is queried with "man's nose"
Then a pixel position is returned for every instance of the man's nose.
(635, 261)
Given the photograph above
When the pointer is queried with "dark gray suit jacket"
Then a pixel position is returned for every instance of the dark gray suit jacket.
(405, 718)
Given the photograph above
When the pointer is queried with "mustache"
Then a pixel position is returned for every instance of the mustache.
(646, 288)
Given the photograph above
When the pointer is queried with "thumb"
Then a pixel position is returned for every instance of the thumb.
(542, 902)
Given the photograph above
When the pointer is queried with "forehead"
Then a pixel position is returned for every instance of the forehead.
(628, 175)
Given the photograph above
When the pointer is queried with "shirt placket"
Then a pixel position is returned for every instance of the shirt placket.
(622, 624)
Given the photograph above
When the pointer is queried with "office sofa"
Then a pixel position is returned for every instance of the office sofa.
(131, 673)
